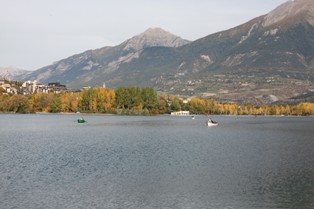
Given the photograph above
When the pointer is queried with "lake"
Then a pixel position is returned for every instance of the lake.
(49, 161)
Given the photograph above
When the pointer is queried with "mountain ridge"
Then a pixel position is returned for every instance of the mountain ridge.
(290, 10)
(266, 59)
(12, 72)
(106, 59)
(153, 37)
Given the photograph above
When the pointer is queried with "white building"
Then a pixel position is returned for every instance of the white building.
(181, 113)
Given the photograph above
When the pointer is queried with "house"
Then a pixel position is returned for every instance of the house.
(32, 87)
(8, 88)
(56, 87)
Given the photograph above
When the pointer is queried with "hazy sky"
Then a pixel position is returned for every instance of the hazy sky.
(35, 33)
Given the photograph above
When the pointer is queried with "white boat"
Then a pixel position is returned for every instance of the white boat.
(210, 123)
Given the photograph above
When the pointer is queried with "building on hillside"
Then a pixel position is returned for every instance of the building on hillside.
(32, 87)
(8, 88)
(86, 88)
(56, 87)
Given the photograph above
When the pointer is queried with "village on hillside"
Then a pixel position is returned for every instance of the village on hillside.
(30, 87)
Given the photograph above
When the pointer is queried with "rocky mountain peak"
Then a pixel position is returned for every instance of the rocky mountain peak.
(154, 37)
(290, 11)
(11, 72)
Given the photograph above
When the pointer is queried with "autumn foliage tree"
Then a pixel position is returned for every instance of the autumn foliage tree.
(94, 100)
(136, 100)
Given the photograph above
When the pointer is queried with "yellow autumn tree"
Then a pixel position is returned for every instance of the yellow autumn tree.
(229, 109)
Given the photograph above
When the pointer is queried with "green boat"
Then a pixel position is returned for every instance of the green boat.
(81, 120)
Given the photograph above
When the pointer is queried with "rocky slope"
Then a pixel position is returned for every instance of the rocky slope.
(92, 67)
(267, 59)
(291, 12)
(12, 72)
(153, 37)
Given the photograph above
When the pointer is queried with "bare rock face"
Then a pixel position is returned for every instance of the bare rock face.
(292, 10)
(154, 37)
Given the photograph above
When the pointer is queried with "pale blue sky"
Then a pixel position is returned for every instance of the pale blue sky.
(35, 33)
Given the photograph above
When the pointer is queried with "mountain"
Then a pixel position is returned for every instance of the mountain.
(291, 12)
(153, 37)
(12, 72)
(267, 59)
(92, 67)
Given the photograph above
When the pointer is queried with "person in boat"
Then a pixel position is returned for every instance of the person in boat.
(211, 121)
(81, 120)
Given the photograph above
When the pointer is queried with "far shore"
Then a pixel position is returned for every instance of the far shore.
(111, 114)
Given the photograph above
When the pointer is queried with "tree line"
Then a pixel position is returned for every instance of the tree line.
(136, 101)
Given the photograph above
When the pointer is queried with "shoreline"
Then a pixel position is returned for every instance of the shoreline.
(110, 114)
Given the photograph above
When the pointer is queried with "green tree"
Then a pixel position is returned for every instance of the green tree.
(85, 104)
(4, 100)
(128, 97)
(55, 104)
(175, 104)
(149, 98)
(18, 104)
(163, 106)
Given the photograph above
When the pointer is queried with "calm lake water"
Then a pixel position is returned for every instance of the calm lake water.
(52, 162)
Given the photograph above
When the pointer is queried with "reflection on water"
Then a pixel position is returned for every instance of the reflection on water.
(49, 161)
